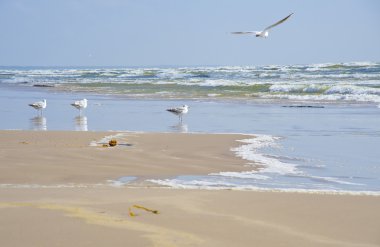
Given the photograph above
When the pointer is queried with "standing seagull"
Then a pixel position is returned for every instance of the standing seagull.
(39, 105)
(264, 33)
(80, 104)
(179, 111)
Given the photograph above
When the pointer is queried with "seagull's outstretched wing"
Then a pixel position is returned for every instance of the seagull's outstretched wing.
(245, 32)
(277, 23)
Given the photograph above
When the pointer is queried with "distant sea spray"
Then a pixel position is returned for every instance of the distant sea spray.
(343, 82)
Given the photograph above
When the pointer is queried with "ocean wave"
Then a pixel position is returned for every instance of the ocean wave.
(351, 89)
(336, 76)
(298, 88)
(334, 66)
(268, 166)
(325, 98)
(340, 82)
(326, 89)
(250, 152)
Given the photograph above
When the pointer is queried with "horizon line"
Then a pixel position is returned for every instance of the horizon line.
(181, 65)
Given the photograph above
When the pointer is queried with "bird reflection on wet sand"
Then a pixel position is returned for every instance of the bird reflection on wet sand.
(180, 127)
(38, 123)
(81, 123)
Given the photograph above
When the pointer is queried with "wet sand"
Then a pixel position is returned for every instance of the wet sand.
(57, 157)
(99, 216)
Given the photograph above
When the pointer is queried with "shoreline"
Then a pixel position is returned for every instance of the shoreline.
(105, 215)
(158, 187)
(140, 160)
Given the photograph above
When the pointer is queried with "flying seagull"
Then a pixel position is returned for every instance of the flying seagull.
(80, 104)
(39, 105)
(264, 33)
(179, 111)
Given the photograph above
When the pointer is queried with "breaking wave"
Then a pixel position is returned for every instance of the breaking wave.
(358, 81)
(269, 173)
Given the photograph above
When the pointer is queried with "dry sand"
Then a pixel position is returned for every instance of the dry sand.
(99, 216)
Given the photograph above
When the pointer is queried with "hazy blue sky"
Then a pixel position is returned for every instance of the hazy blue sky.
(186, 32)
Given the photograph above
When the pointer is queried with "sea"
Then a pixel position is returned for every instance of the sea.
(311, 128)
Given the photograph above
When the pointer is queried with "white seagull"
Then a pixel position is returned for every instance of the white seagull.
(264, 33)
(80, 104)
(179, 111)
(39, 105)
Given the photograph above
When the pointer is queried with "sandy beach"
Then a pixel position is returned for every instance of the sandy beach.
(100, 216)
(170, 123)
(57, 157)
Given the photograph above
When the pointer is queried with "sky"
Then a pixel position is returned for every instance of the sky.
(153, 33)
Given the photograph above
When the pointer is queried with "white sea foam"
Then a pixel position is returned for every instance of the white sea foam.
(250, 151)
(213, 95)
(313, 88)
(248, 174)
(121, 181)
(220, 82)
(193, 184)
(351, 89)
(328, 97)
(324, 66)
(20, 79)
(339, 77)
(299, 80)
(298, 88)
(207, 185)
(333, 180)
(286, 88)
(361, 64)
(325, 89)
